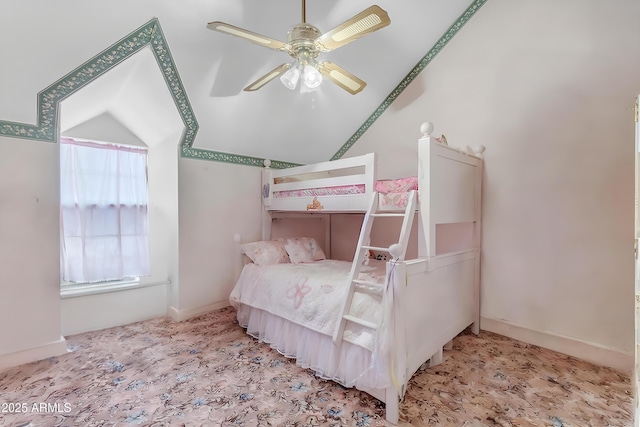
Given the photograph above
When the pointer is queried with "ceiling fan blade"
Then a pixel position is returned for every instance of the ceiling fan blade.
(341, 77)
(367, 21)
(248, 35)
(278, 71)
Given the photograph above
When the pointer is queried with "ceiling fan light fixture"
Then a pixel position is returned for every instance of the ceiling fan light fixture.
(304, 43)
(291, 77)
(311, 77)
(306, 89)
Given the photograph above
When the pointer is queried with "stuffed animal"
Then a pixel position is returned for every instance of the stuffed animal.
(367, 255)
(315, 205)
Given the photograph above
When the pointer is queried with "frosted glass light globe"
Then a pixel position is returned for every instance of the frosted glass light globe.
(312, 77)
(291, 77)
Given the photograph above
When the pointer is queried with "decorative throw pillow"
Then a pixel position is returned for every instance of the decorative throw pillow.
(304, 249)
(397, 185)
(266, 252)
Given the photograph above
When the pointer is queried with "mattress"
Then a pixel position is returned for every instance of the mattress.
(295, 308)
(311, 294)
(323, 191)
(394, 192)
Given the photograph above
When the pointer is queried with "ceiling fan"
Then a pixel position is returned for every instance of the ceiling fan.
(304, 43)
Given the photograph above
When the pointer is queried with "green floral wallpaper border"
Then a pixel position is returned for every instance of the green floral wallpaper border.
(452, 31)
(217, 156)
(150, 34)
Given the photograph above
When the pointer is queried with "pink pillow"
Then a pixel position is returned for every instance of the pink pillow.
(304, 249)
(397, 185)
(266, 252)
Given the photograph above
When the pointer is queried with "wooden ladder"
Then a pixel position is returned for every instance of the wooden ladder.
(397, 252)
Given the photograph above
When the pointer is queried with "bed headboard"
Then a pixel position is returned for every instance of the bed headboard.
(450, 190)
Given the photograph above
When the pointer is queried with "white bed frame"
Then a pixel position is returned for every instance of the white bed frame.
(436, 296)
(361, 170)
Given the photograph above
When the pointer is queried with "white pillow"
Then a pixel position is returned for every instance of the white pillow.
(304, 249)
(266, 252)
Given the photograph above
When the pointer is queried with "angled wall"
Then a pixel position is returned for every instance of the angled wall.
(548, 87)
(30, 200)
(135, 91)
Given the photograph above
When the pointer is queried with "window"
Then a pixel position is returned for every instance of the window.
(103, 211)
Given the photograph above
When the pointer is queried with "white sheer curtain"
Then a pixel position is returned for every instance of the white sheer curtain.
(103, 211)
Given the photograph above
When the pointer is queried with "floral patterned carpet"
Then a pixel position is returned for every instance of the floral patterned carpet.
(207, 372)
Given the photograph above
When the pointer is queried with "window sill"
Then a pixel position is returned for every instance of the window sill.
(68, 290)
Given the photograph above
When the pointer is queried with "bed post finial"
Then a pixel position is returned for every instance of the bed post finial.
(478, 150)
(267, 163)
(426, 128)
(395, 251)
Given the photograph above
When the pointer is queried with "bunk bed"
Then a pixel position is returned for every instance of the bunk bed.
(366, 323)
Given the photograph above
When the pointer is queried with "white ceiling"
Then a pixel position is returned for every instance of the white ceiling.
(287, 125)
(132, 96)
(272, 122)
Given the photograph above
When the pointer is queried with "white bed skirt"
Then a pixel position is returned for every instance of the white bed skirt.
(347, 364)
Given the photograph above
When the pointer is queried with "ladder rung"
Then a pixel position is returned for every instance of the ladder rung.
(377, 215)
(347, 339)
(376, 248)
(370, 291)
(360, 321)
(370, 288)
(352, 339)
(367, 283)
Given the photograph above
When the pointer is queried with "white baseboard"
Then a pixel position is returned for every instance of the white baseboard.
(579, 349)
(55, 348)
(187, 313)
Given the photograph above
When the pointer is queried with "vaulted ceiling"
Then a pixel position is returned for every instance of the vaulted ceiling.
(274, 122)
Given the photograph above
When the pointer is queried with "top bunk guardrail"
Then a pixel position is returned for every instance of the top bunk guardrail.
(339, 185)
(445, 185)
